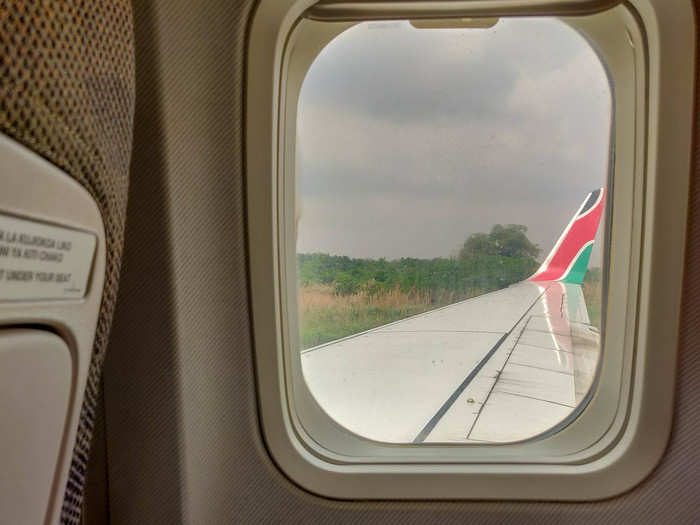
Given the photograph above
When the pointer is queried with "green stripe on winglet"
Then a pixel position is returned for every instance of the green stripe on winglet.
(578, 270)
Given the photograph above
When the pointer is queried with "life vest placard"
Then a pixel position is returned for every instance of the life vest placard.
(39, 261)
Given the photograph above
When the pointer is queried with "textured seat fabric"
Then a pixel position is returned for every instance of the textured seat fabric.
(67, 92)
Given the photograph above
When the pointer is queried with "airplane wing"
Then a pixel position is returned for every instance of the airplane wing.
(501, 367)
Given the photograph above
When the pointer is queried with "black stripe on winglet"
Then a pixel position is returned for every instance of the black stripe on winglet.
(592, 199)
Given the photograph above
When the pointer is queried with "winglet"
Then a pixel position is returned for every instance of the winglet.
(568, 260)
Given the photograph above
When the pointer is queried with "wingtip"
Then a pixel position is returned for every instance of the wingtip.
(568, 260)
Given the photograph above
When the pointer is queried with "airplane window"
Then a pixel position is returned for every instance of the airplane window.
(451, 185)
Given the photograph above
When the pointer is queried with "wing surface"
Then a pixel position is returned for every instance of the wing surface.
(500, 367)
(538, 376)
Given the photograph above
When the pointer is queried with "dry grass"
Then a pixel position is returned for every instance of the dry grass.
(325, 316)
(323, 296)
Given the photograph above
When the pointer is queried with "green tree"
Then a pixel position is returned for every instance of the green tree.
(508, 240)
(486, 262)
(346, 284)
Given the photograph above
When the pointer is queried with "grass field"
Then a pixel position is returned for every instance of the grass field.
(326, 316)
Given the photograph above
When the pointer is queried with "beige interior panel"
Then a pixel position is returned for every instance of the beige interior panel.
(35, 381)
(41, 206)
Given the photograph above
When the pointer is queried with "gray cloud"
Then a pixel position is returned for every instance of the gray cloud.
(403, 74)
(409, 140)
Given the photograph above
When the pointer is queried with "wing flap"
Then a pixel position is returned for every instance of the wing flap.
(549, 366)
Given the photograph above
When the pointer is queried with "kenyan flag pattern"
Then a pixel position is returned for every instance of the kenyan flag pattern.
(568, 260)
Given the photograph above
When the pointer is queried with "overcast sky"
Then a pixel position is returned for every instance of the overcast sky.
(411, 139)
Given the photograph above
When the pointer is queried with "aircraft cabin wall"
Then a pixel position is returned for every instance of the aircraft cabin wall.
(183, 438)
(177, 436)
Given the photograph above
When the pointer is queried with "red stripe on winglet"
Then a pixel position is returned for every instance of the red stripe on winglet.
(582, 231)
